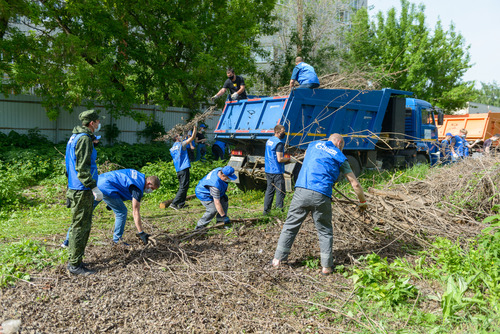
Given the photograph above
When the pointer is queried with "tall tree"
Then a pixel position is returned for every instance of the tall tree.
(489, 94)
(312, 29)
(120, 52)
(432, 63)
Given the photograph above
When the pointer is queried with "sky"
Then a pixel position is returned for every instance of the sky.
(477, 20)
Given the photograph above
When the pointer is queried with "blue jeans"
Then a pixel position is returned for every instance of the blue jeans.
(201, 150)
(120, 210)
(309, 85)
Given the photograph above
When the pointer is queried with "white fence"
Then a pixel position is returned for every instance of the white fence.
(21, 113)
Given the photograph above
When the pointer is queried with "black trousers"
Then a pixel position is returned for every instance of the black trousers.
(275, 183)
(183, 177)
(217, 152)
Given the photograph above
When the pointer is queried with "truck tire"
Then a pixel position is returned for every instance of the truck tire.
(355, 166)
(422, 159)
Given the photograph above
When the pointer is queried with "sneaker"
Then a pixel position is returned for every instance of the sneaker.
(80, 270)
(183, 206)
(121, 243)
(65, 244)
(173, 206)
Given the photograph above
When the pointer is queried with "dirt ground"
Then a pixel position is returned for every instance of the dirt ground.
(223, 282)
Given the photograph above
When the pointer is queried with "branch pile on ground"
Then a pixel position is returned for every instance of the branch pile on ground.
(447, 203)
(185, 128)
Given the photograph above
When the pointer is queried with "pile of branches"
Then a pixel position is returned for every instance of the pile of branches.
(448, 203)
(185, 128)
(355, 79)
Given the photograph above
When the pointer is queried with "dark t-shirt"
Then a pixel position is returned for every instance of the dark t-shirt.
(200, 136)
(235, 86)
(280, 147)
(135, 192)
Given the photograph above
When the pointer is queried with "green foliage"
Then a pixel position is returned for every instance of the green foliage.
(311, 262)
(406, 45)
(152, 131)
(168, 176)
(14, 139)
(471, 276)
(18, 259)
(133, 156)
(111, 132)
(489, 94)
(382, 282)
(117, 53)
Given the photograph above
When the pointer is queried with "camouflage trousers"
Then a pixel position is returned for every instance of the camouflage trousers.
(81, 211)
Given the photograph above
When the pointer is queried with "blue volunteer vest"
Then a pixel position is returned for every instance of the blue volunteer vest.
(321, 167)
(116, 184)
(221, 144)
(180, 157)
(306, 74)
(272, 164)
(202, 190)
(73, 181)
(459, 146)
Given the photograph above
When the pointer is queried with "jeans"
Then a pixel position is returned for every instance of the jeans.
(201, 150)
(120, 210)
(303, 202)
(309, 85)
(180, 198)
(275, 183)
(211, 212)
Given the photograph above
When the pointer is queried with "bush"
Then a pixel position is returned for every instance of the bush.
(134, 156)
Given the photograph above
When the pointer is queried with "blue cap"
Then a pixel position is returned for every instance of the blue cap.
(203, 126)
(449, 134)
(97, 137)
(229, 172)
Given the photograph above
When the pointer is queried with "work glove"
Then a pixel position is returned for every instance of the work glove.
(362, 206)
(144, 237)
(97, 194)
(455, 155)
(234, 96)
(213, 98)
(226, 220)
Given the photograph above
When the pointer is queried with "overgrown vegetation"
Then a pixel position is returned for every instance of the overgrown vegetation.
(453, 285)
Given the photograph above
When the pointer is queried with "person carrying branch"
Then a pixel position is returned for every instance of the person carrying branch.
(275, 167)
(323, 163)
(211, 191)
(180, 156)
(236, 86)
(304, 74)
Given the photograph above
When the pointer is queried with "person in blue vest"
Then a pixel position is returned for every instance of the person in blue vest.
(180, 156)
(211, 191)
(323, 163)
(274, 168)
(125, 185)
(304, 74)
(82, 190)
(218, 150)
(447, 144)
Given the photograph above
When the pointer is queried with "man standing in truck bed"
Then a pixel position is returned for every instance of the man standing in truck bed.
(304, 74)
(275, 167)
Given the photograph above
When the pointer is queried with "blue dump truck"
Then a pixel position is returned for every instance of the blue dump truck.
(381, 129)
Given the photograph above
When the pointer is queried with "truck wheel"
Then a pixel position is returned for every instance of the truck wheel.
(355, 166)
(422, 159)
